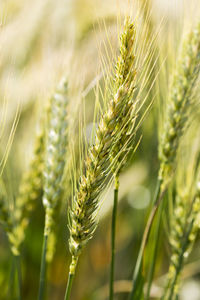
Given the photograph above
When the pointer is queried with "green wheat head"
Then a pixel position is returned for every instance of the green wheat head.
(125, 77)
(112, 144)
(55, 153)
(185, 226)
(5, 218)
(180, 100)
(185, 218)
(30, 192)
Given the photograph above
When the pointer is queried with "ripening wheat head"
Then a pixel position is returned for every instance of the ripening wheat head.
(5, 218)
(55, 151)
(30, 191)
(124, 77)
(185, 219)
(180, 100)
(185, 226)
(115, 131)
(31, 186)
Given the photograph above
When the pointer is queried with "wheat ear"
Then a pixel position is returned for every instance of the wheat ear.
(54, 163)
(5, 218)
(184, 227)
(182, 88)
(116, 124)
(125, 73)
(30, 191)
(180, 99)
(7, 221)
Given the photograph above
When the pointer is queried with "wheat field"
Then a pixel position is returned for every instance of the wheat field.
(99, 149)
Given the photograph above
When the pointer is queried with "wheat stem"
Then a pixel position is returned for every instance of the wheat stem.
(19, 276)
(72, 270)
(113, 233)
(69, 286)
(43, 269)
(10, 293)
(155, 250)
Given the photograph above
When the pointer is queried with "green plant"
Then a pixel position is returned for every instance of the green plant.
(184, 219)
(89, 133)
(180, 100)
(54, 163)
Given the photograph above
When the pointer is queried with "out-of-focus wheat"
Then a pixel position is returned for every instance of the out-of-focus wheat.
(54, 163)
(180, 99)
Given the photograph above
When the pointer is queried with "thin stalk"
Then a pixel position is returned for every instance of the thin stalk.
(157, 200)
(19, 276)
(12, 279)
(43, 268)
(69, 286)
(155, 250)
(113, 233)
(72, 270)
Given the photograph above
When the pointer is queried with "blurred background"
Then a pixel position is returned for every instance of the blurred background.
(40, 41)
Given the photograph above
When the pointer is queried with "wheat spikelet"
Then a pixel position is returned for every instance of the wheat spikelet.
(31, 189)
(185, 225)
(54, 164)
(125, 76)
(182, 89)
(5, 219)
(7, 223)
(6, 214)
(55, 150)
(101, 159)
(185, 216)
